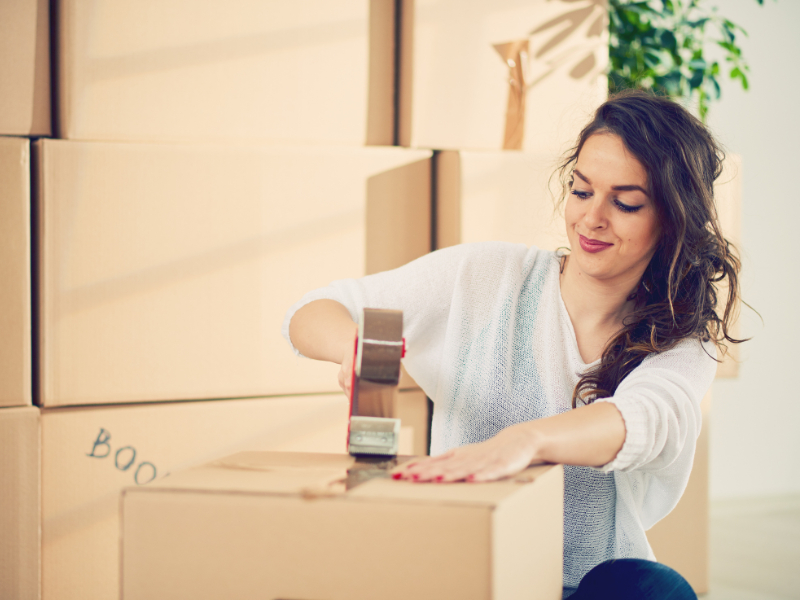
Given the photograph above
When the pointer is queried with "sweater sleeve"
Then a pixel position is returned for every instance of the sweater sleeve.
(422, 289)
(660, 404)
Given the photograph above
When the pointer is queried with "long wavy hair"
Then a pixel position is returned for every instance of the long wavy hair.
(678, 294)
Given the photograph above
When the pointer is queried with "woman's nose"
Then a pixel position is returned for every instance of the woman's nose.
(595, 217)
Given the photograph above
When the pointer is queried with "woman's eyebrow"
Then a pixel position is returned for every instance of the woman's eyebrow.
(616, 188)
(582, 176)
(628, 188)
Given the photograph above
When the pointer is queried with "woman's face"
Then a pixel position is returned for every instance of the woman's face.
(612, 225)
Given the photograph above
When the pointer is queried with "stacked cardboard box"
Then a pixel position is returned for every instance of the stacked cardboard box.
(505, 74)
(213, 165)
(20, 503)
(283, 526)
(211, 168)
(25, 68)
(303, 72)
(24, 113)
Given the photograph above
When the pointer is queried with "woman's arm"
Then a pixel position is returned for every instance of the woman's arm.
(589, 436)
(324, 330)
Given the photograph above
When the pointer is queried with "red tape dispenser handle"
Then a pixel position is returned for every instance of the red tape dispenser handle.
(379, 346)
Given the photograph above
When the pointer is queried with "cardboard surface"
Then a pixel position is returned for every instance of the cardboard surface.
(25, 67)
(169, 268)
(459, 91)
(412, 410)
(90, 454)
(728, 192)
(20, 503)
(186, 539)
(491, 196)
(680, 540)
(306, 72)
(15, 270)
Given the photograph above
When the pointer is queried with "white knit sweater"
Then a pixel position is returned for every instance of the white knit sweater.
(491, 343)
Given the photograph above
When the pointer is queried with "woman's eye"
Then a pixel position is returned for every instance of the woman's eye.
(627, 208)
(581, 195)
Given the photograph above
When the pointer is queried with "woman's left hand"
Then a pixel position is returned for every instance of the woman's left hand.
(507, 453)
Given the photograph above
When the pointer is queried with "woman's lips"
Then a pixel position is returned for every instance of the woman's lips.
(593, 245)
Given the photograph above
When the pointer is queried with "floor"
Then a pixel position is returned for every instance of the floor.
(755, 549)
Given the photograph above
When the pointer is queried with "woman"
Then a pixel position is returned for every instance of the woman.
(596, 359)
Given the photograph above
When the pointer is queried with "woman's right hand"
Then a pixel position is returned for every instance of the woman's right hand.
(324, 330)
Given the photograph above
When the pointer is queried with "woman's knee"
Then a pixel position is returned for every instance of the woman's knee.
(632, 578)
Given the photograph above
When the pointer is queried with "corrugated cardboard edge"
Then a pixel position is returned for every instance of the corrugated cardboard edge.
(514, 568)
(15, 299)
(405, 97)
(381, 92)
(63, 40)
(448, 198)
(42, 386)
(42, 94)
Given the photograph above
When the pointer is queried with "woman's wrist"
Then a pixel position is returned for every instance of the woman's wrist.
(531, 439)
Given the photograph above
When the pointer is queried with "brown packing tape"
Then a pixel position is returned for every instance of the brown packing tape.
(515, 54)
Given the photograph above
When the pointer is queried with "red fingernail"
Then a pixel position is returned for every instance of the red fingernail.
(440, 478)
(415, 476)
(396, 476)
(470, 477)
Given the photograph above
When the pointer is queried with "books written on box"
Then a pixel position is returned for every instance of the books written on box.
(91, 453)
(283, 525)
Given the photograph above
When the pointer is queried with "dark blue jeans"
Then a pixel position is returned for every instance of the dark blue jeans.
(633, 579)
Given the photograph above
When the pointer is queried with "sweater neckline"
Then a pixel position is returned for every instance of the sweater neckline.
(564, 315)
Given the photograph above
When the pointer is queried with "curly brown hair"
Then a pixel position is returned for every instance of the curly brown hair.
(678, 294)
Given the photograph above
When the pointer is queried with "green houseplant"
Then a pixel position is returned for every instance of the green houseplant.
(660, 45)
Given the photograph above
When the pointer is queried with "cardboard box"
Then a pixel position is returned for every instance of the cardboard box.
(728, 192)
(20, 503)
(510, 196)
(90, 454)
(681, 539)
(305, 72)
(460, 68)
(169, 268)
(25, 67)
(497, 196)
(272, 525)
(412, 410)
(15, 270)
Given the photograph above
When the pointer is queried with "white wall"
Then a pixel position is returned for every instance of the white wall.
(755, 432)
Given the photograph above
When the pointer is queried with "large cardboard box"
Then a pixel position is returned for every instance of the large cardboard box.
(15, 270)
(20, 503)
(25, 67)
(681, 539)
(485, 75)
(497, 196)
(91, 453)
(272, 525)
(308, 71)
(168, 268)
(513, 197)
